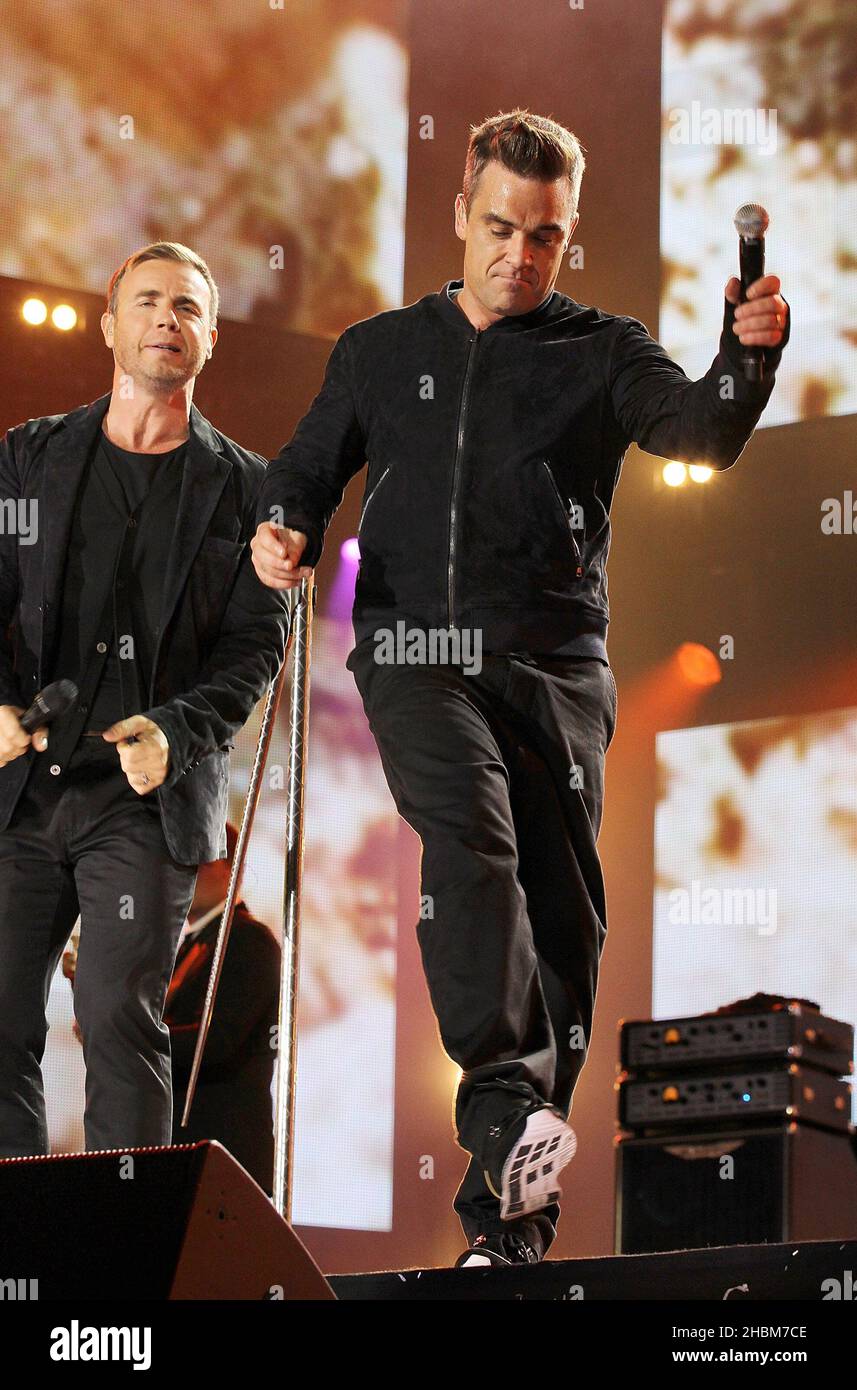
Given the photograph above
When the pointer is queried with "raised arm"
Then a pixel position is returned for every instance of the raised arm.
(709, 420)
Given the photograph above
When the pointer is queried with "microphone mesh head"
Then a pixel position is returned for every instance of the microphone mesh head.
(61, 696)
(66, 689)
(751, 220)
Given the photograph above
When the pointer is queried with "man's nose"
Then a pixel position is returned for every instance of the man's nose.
(519, 253)
(168, 319)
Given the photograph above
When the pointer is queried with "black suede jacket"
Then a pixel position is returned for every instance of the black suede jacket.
(493, 457)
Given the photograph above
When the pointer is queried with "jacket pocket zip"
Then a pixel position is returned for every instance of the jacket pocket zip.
(566, 518)
(371, 495)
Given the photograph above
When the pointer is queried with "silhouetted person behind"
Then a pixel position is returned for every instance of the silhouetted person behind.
(233, 1096)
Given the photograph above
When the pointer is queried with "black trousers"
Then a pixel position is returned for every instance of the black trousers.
(86, 843)
(501, 775)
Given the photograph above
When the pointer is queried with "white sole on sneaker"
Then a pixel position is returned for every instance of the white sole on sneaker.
(529, 1180)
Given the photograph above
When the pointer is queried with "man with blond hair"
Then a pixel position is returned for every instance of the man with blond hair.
(495, 414)
(139, 588)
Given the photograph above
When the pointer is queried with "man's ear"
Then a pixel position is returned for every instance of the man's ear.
(213, 335)
(107, 327)
(460, 216)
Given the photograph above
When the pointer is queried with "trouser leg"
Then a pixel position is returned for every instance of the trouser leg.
(455, 748)
(440, 747)
(38, 908)
(134, 898)
(557, 816)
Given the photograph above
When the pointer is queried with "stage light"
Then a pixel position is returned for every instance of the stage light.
(700, 472)
(674, 474)
(64, 317)
(340, 596)
(698, 664)
(34, 311)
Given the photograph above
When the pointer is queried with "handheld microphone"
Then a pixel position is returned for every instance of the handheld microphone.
(51, 702)
(751, 223)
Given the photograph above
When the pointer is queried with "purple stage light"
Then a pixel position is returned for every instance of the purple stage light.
(341, 596)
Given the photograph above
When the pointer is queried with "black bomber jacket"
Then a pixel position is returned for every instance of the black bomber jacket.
(493, 457)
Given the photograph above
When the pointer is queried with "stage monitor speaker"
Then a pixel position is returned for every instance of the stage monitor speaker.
(185, 1222)
(738, 1187)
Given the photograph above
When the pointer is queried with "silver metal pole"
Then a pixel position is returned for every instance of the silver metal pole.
(266, 729)
(287, 1023)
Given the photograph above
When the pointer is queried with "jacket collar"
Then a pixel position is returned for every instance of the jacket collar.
(85, 423)
(511, 323)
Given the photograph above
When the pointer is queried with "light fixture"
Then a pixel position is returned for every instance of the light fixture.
(674, 474)
(34, 311)
(698, 664)
(64, 317)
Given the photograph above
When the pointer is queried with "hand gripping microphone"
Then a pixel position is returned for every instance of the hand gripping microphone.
(51, 702)
(751, 223)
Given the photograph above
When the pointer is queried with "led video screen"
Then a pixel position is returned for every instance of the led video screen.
(756, 864)
(758, 101)
(270, 138)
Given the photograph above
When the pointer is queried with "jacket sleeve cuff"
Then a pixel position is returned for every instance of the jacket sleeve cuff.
(180, 759)
(731, 347)
(11, 695)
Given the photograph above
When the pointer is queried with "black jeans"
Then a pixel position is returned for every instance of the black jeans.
(86, 843)
(501, 774)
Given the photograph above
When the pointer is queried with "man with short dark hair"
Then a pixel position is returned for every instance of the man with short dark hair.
(495, 415)
(140, 589)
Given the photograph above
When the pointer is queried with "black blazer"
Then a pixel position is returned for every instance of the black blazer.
(222, 635)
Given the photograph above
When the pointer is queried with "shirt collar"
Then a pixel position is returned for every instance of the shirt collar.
(509, 323)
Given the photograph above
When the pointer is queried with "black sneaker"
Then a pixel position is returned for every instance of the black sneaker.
(500, 1248)
(537, 1145)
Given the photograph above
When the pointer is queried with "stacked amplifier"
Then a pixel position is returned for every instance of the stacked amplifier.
(735, 1127)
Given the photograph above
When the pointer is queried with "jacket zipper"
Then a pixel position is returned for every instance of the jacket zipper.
(371, 495)
(462, 415)
(566, 515)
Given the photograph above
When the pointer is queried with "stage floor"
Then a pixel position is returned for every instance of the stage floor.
(800, 1271)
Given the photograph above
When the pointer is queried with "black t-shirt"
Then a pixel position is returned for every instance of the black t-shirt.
(135, 473)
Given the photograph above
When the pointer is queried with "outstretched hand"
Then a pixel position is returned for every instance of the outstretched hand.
(761, 320)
